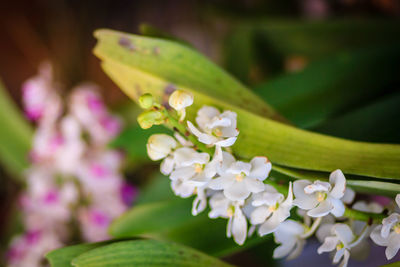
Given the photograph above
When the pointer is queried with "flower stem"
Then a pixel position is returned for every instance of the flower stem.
(368, 217)
(314, 227)
(360, 237)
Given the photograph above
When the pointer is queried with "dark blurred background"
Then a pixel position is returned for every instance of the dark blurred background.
(254, 40)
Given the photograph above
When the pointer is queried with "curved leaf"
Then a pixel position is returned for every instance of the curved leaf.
(283, 144)
(146, 253)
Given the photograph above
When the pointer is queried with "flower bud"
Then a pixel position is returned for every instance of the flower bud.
(180, 99)
(146, 101)
(160, 145)
(150, 118)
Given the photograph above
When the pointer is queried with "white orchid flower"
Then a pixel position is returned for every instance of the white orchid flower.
(160, 146)
(215, 128)
(388, 233)
(321, 198)
(340, 237)
(179, 100)
(271, 209)
(289, 235)
(239, 179)
(223, 207)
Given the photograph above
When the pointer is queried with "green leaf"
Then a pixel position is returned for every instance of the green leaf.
(15, 136)
(62, 257)
(158, 189)
(283, 144)
(152, 31)
(146, 253)
(333, 85)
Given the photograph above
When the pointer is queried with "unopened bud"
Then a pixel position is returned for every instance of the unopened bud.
(160, 145)
(150, 118)
(146, 101)
(180, 99)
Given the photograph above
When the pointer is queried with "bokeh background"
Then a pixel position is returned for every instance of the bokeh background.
(256, 41)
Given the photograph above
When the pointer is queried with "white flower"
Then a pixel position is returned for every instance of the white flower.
(225, 208)
(339, 237)
(215, 128)
(272, 209)
(289, 235)
(160, 146)
(321, 198)
(388, 233)
(180, 100)
(238, 179)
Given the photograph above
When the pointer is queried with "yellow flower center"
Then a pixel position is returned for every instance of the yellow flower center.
(240, 177)
(396, 228)
(339, 246)
(321, 196)
(230, 211)
(198, 168)
(273, 208)
(217, 132)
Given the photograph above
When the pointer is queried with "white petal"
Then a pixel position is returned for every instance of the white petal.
(167, 165)
(227, 161)
(349, 196)
(339, 181)
(345, 259)
(180, 99)
(182, 140)
(183, 173)
(182, 189)
(270, 224)
(236, 191)
(259, 215)
(324, 231)
(289, 199)
(388, 223)
(203, 137)
(317, 186)
(222, 182)
(205, 114)
(267, 198)
(218, 122)
(328, 245)
(160, 145)
(338, 255)
(338, 207)
(232, 116)
(398, 200)
(283, 250)
(377, 237)
(240, 167)
(393, 245)
(225, 142)
(229, 227)
(344, 233)
(303, 200)
(199, 203)
(239, 226)
(322, 209)
(260, 168)
(186, 156)
(254, 185)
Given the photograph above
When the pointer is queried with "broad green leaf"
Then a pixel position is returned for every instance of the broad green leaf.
(333, 85)
(62, 257)
(180, 65)
(158, 189)
(283, 144)
(152, 31)
(172, 221)
(374, 122)
(146, 253)
(15, 136)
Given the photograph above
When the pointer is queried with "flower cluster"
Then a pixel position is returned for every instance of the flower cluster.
(199, 163)
(74, 184)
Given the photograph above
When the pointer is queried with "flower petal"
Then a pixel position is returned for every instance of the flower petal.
(328, 245)
(398, 200)
(393, 245)
(183, 173)
(225, 142)
(338, 207)
(167, 165)
(260, 168)
(236, 191)
(349, 196)
(344, 233)
(283, 250)
(259, 215)
(339, 184)
(303, 200)
(322, 209)
(203, 137)
(239, 226)
(377, 237)
(205, 114)
(254, 185)
(221, 182)
(338, 255)
(271, 224)
(298, 249)
(239, 167)
(388, 223)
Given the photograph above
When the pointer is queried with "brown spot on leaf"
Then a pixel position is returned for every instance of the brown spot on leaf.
(126, 43)
(156, 50)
